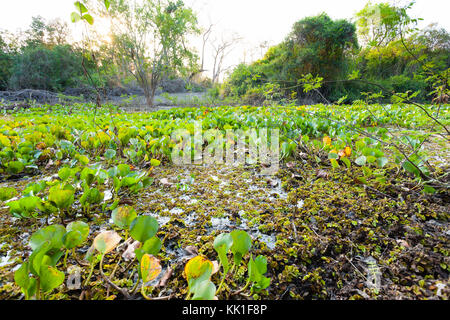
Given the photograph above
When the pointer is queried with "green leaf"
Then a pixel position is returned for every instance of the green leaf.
(80, 226)
(197, 270)
(152, 246)
(222, 244)
(333, 155)
(7, 193)
(346, 162)
(64, 173)
(155, 163)
(123, 216)
(15, 167)
(371, 159)
(110, 154)
(143, 228)
(334, 163)
(87, 175)
(24, 281)
(429, 189)
(75, 17)
(91, 196)
(80, 7)
(256, 270)
(361, 161)
(53, 234)
(81, 158)
(61, 197)
(408, 166)
(39, 257)
(22, 277)
(89, 20)
(123, 170)
(107, 4)
(241, 245)
(50, 278)
(72, 239)
(382, 162)
(205, 290)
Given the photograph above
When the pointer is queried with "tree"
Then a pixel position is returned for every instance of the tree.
(377, 24)
(150, 37)
(45, 68)
(381, 23)
(317, 45)
(221, 49)
(45, 33)
(6, 63)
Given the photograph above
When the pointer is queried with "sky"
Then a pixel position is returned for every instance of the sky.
(255, 21)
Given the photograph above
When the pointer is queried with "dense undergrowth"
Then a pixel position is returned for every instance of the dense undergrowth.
(94, 209)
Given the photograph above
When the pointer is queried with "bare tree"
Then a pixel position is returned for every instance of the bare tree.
(205, 38)
(220, 51)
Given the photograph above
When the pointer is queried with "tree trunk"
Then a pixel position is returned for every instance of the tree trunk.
(149, 94)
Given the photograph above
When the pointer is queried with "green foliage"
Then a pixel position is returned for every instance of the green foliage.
(25, 207)
(143, 228)
(62, 196)
(256, 270)
(317, 45)
(77, 233)
(241, 245)
(7, 193)
(222, 244)
(169, 22)
(39, 274)
(46, 68)
(151, 246)
(378, 24)
(198, 272)
(123, 216)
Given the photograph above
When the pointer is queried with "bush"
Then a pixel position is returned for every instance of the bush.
(254, 97)
(45, 68)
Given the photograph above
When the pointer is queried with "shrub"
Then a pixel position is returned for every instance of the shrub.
(45, 68)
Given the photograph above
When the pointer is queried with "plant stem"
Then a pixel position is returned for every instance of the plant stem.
(115, 268)
(38, 289)
(90, 274)
(65, 259)
(223, 279)
(243, 288)
(134, 289)
(143, 293)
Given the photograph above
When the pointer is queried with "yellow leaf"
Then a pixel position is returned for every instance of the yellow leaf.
(150, 267)
(327, 141)
(196, 267)
(348, 151)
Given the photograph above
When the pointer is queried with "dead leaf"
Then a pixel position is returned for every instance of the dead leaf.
(403, 243)
(322, 174)
(191, 250)
(106, 241)
(129, 252)
(165, 181)
(215, 267)
(165, 278)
